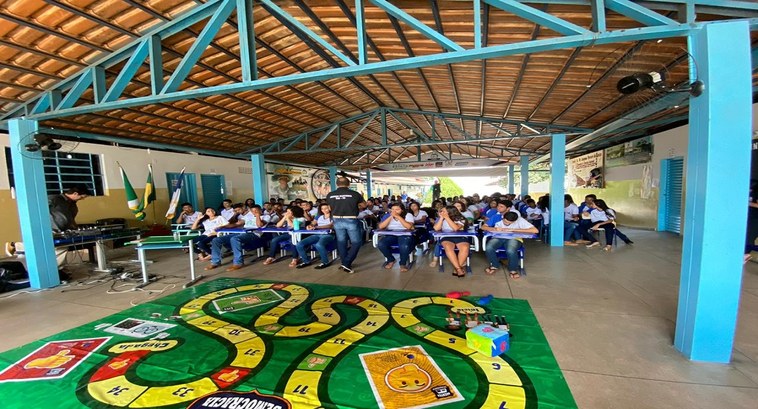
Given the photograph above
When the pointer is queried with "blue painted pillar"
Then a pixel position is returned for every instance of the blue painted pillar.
(368, 184)
(511, 179)
(718, 169)
(557, 174)
(31, 201)
(260, 183)
(333, 177)
(524, 175)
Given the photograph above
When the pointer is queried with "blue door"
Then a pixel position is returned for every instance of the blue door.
(213, 190)
(670, 200)
(189, 189)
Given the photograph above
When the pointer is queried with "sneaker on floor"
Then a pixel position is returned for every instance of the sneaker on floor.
(234, 267)
(303, 264)
(10, 248)
(595, 244)
(347, 269)
(321, 266)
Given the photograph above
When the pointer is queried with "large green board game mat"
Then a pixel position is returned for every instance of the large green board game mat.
(248, 344)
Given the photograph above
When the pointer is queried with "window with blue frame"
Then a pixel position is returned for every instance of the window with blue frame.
(66, 169)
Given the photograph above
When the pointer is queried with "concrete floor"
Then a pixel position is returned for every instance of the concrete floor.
(609, 317)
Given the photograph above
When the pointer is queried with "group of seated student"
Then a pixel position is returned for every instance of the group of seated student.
(497, 214)
(592, 215)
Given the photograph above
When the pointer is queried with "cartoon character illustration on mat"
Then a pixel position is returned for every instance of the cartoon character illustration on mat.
(408, 378)
(315, 361)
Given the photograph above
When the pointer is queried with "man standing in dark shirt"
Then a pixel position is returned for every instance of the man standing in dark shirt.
(344, 203)
(63, 208)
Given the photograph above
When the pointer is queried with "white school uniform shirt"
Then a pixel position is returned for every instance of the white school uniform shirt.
(273, 217)
(533, 214)
(323, 221)
(446, 227)
(598, 215)
(313, 212)
(396, 225)
(473, 209)
(191, 218)
(468, 215)
(570, 211)
(546, 217)
(365, 213)
(250, 222)
(520, 223)
(376, 209)
(421, 214)
(210, 226)
(227, 213)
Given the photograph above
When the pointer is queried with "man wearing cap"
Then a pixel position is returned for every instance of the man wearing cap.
(282, 190)
(344, 203)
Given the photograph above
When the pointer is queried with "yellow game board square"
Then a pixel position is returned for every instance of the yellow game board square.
(296, 290)
(450, 341)
(234, 333)
(453, 302)
(303, 330)
(497, 370)
(404, 317)
(174, 394)
(507, 397)
(302, 389)
(328, 301)
(116, 391)
(335, 345)
(412, 303)
(249, 353)
(372, 323)
(252, 287)
(327, 315)
(373, 307)
(207, 324)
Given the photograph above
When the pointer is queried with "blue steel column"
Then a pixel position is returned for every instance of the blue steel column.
(333, 177)
(524, 175)
(718, 169)
(557, 174)
(260, 184)
(511, 179)
(31, 201)
(368, 184)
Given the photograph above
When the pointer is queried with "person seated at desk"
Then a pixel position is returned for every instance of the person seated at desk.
(320, 242)
(210, 222)
(533, 213)
(451, 220)
(510, 223)
(254, 219)
(219, 242)
(461, 206)
(227, 211)
(288, 220)
(420, 218)
(188, 215)
(396, 220)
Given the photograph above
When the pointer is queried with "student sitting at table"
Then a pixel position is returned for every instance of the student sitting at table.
(219, 242)
(210, 222)
(396, 220)
(320, 242)
(570, 219)
(188, 215)
(461, 206)
(226, 209)
(533, 213)
(510, 223)
(253, 219)
(451, 220)
(292, 214)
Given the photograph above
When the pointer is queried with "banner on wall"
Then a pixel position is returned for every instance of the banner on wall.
(586, 171)
(630, 153)
(292, 182)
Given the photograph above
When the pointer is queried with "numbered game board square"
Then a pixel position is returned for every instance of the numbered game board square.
(420, 329)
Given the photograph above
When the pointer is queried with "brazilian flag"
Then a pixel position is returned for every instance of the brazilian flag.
(132, 201)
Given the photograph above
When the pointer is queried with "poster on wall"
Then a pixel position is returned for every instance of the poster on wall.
(630, 153)
(586, 171)
(292, 182)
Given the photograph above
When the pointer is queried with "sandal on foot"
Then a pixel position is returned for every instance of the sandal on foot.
(433, 263)
(389, 264)
(514, 275)
(293, 263)
(269, 260)
(460, 272)
(490, 270)
(403, 269)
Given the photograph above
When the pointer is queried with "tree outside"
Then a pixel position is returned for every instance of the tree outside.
(448, 188)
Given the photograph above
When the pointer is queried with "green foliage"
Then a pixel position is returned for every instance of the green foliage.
(448, 188)
(537, 174)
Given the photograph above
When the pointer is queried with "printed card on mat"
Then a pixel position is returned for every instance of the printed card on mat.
(407, 378)
(52, 361)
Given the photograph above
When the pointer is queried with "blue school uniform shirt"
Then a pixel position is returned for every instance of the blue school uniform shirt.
(494, 219)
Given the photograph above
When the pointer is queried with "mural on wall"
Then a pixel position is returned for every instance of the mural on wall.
(630, 153)
(586, 171)
(292, 182)
(646, 190)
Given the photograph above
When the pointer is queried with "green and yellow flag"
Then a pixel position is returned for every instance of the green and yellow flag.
(132, 201)
(149, 196)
